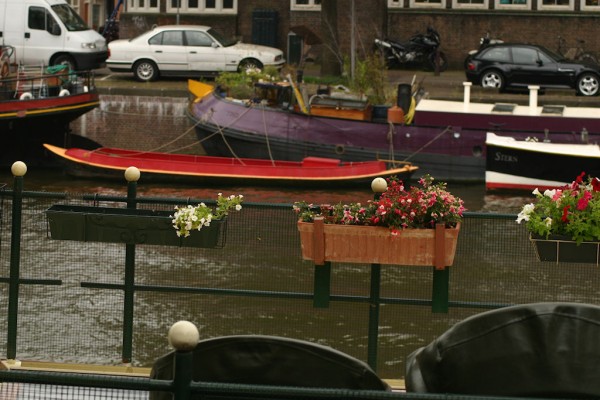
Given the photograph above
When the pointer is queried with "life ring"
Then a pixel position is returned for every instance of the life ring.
(26, 96)
(64, 92)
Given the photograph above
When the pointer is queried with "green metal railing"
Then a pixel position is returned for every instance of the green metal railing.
(106, 304)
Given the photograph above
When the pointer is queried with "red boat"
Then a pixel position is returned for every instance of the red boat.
(311, 171)
(37, 104)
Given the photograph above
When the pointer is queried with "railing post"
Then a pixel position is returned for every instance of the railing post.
(184, 337)
(132, 175)
(378, 185)
(18, 169)
(374, 305)
(441, 273)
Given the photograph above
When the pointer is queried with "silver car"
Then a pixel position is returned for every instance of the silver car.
(186, 51)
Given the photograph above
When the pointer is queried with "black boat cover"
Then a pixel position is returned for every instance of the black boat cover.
(272, 360)
(534, 350)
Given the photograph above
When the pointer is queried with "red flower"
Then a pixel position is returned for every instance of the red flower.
(583, 201)
(565, 214)
(596, 184)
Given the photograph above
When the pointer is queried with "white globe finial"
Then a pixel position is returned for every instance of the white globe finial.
(379, 185)
(132, 174)
(183, 336)
(19, 168)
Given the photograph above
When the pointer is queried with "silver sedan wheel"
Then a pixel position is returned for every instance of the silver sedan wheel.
(588, 85)
(492, 79)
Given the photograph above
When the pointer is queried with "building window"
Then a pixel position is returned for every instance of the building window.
(305, 5)
(202, 6)
(590, 5)
(74, 5)
(472, 4)
(395, 3)
(143, 5)
(427, 3)
(513, 4)
(556, 4)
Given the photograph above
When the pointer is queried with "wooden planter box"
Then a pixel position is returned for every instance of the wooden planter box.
(562, 249)
(375, 245)
(130, 226)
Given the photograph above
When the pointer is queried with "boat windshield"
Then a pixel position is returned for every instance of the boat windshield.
(225, 41)
(72, 21)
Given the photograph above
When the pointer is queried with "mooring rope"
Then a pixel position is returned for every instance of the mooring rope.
(220, 131)
(267, 137)
(428, 143)
(390, 138)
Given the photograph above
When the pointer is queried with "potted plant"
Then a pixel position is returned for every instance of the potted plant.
(564, 223)
(399, 227)
(240, 85)
(140, 226)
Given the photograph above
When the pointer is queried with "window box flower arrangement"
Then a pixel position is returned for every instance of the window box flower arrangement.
(564, 223)
(141, 226)
(408, 226)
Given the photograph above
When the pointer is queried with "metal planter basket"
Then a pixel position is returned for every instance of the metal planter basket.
(558, 248)
(129, 226)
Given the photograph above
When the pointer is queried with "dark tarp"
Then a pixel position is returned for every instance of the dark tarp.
(533, 350)
(272, 360)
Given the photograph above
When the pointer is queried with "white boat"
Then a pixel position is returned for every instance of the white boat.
(529, 164)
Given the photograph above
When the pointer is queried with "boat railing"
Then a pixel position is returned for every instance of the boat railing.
(35, 82)
(111, 304)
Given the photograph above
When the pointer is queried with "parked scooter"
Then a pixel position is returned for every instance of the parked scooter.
(484, 42)
(421, 48)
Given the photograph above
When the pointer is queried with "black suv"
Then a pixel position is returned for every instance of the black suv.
(506, 65)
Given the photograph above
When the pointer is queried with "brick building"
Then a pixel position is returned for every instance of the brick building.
(288, 23)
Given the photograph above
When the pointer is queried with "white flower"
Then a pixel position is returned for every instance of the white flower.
(191, 218)
(524, 214)
(548, 221)
(536, 192)
(550, 193)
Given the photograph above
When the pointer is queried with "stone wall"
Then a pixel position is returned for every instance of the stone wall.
(140, 123)
(460, 30)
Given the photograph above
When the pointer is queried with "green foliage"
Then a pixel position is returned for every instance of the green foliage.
(370, 78)
(241, 84)
(572, 211)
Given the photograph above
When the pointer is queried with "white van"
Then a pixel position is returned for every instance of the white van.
(50, 32)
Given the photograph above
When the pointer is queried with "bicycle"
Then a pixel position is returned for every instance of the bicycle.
(575, 53)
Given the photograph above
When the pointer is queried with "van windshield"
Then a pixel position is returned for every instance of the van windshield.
(72, 20)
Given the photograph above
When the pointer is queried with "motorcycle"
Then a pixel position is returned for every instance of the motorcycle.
(421, 48)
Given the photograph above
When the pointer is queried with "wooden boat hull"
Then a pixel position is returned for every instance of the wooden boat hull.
(446, 139)
(314, 172)
(526, 165)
